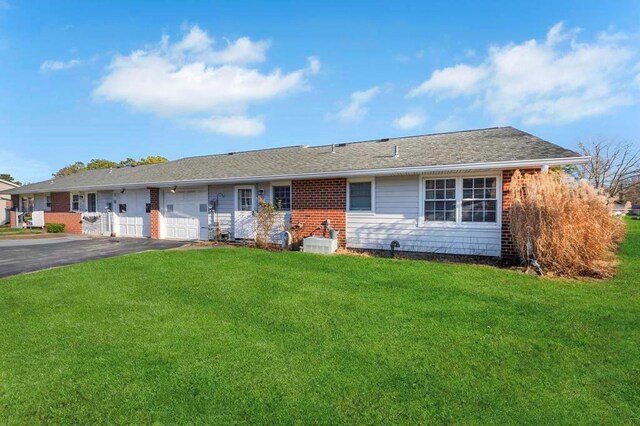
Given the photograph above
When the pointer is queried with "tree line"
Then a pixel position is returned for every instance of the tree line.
(97, 163)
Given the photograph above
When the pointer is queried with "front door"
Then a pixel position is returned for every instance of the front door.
(244, 221)
(92, 202)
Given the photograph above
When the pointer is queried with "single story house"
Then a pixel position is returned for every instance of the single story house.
(445, 193)
(5, 200)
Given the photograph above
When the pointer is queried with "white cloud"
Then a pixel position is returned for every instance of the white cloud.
(191, 78)
(410, 120)
(554, 81)
(314, 65)
(355, 110)
(453, 81)
(236, 125)
(59, 65)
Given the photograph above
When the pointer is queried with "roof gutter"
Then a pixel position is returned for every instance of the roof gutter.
(320, 175)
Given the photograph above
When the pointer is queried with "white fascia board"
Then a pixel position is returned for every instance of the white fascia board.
(498, 165)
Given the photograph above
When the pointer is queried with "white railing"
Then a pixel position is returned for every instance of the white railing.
(96, 223)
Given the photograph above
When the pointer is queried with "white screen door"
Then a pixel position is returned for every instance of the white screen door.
(244, 221)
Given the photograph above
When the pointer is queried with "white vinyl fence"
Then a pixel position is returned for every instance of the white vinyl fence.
(96, 223)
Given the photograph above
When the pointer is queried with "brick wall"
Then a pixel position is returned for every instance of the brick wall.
(72, 221)
(60, 201)
(154, 194)
(13, 218)
(316, 200)
(509, 253)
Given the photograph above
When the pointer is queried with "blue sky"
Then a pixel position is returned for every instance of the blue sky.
(83, 80)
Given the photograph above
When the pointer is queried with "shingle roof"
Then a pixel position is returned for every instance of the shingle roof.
(466, 147)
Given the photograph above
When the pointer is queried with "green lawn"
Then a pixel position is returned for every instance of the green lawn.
(9, 232)
(241, 335)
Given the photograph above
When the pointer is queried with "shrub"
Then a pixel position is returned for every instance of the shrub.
(565, 225)
(266, 219)
(55, 228)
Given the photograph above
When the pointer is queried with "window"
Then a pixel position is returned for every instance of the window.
(75, 202)
(360, 196)
(48, 201)
(169, 208)
(92, 202)
(479, 199)
(440, 200)
(245, 202)
(461, 200)
(282, 197)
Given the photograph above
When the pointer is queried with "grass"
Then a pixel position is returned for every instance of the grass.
(9, 232)
(248, 336)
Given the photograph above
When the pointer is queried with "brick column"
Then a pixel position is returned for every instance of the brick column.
(316, 200)
(154, 195)
(13, 218)
(508, 248)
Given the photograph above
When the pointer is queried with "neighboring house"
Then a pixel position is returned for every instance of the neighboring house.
(5, 200)
(446, 193)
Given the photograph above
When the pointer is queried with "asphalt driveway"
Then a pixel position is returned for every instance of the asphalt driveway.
(19, 256)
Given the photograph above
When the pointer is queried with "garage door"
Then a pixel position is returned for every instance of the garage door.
(186, 215)
(131, 209)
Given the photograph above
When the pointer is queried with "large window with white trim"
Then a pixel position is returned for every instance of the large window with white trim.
(468, 200)
(479, 199)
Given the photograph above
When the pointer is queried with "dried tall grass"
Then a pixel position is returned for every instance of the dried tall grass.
(565, 225)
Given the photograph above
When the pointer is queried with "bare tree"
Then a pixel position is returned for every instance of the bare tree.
(614, 166)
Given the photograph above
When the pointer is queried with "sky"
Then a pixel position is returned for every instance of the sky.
(109, 79)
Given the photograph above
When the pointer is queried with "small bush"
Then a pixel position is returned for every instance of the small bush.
(55, 228)
(567, 226)
(267, 218)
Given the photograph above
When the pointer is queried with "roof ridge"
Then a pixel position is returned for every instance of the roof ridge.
(341, 143)
(239, 152)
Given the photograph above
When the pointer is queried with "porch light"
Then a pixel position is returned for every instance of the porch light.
(173, 190)
(123, 189)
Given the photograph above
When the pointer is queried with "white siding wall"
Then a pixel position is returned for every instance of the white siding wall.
(40, 202)
(224, 215)
(397, 208)
(104, 197)
(226, 208)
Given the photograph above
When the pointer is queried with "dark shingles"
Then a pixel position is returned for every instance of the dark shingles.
(474, 146)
